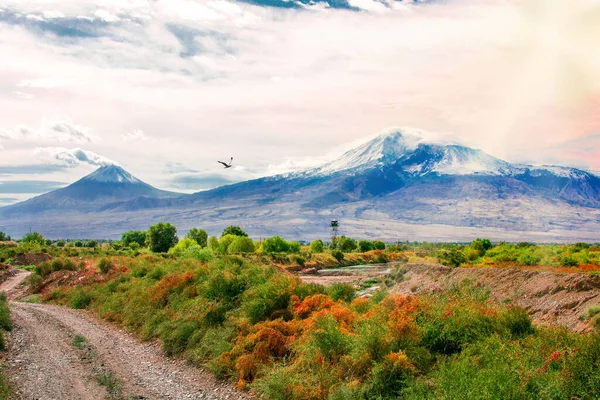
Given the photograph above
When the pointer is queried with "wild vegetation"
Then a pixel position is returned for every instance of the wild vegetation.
(5, 325)
(227, 303)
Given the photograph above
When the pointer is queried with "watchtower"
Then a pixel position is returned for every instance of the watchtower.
(335, 226)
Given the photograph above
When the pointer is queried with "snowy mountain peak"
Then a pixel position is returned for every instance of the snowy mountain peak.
(112, 174)
(419, 152)
(384, 148)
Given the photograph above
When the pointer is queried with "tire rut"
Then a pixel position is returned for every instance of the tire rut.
(43, 363)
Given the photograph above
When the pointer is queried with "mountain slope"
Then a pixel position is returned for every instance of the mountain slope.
(106, 185)
(395, 182)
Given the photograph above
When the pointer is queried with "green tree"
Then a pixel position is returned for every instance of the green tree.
(452, 258)
(182, 246)
(316, 246)
(295, 247)
(275, 244)
(379, 245)
(34, 238)
(213, 243)
(233, 230)
(365, 245)
(4, 237)
(346, 244)
(161, 237)
(225, 241)
(240, 245)
(481, 246)
(138, 237)
(199, 235)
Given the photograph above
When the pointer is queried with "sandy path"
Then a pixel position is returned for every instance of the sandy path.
(43, 363)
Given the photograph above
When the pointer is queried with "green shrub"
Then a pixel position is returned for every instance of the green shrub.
(35, 282)
(568, 261)
(582, 370)
(341, 291)
(200, 254)
(80, 299)
(175, 336)
(105, 265)
(346, 244)
(295, 247)
(529, 259)
(316, 246)
(338, 255)
(518, 322)
(592, 311)
(240, 245)
(5, 323)
(379, 245)
(34, 238)
(198, 235)
(182, 246)
(453, 258)
(275, 244)
(263, 301)
(365, 245)
(298, 259)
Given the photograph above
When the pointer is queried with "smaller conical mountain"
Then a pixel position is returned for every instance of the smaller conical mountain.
(107, 185)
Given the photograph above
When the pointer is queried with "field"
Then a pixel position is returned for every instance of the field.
(249, 318)
(240, 309)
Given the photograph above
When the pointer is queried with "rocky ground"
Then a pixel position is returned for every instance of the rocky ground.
(556, 298)
(59, 353)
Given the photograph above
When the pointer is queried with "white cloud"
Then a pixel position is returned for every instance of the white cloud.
(106, 16)
(136, 135)
(23, 95)
(60, 130)
(43, 83)
(497, 73)
(70, 157)
(368, 5)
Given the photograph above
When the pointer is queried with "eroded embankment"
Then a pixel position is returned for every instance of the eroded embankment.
(550, 297)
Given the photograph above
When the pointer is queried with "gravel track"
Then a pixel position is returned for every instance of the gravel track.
(43, 363)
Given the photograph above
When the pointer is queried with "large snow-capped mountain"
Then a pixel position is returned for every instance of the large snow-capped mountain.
(397, 182)
(419, 156)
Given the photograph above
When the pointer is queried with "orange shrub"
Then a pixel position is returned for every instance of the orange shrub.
(170, 284)
(310, 305)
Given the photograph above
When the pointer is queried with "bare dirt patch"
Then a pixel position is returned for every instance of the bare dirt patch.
(30, 259)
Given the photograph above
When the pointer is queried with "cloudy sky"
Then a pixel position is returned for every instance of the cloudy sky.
(166, 87)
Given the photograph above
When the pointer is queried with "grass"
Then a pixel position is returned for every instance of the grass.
(5, 325)
(5, 388)
(79, 342)
(267, 330)
(35, 299)
(113, 387)
(30, 268)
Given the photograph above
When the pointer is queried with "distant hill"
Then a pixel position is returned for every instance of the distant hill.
(106, 185)
(399, 185)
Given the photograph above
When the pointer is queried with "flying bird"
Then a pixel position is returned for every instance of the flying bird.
(225, 164)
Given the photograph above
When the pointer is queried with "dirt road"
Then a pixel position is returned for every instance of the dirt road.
(59, 353)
